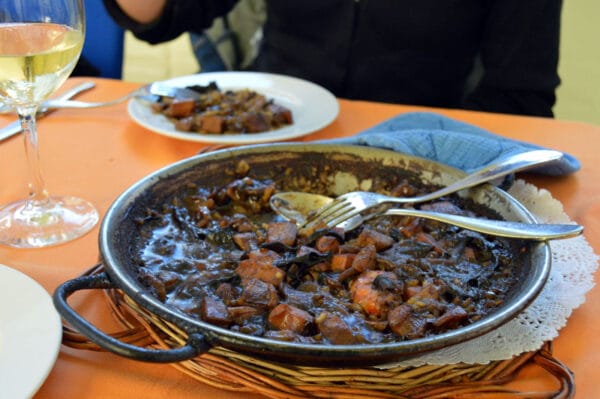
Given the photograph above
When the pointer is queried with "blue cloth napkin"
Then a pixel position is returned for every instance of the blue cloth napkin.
(458, 144)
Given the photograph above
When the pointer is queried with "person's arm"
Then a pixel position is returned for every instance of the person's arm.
(142, 11)
(157, 21)
(520, 58)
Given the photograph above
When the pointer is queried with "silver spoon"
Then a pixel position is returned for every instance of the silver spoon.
(295, 206)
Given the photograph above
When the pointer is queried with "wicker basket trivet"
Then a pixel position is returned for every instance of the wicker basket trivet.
(228, 370)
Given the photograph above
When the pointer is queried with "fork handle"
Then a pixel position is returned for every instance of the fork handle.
(59, 104)
(500, 228)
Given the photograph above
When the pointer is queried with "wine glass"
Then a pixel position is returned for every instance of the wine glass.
(40, 43)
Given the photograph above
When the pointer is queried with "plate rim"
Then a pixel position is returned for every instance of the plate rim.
(33, 356)
(135, 107)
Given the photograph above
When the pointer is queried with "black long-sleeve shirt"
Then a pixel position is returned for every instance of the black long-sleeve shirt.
(414, 52)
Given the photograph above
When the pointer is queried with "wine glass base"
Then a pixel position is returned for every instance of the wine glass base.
(37, 224)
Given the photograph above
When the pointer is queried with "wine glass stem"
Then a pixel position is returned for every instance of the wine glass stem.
(37, 189)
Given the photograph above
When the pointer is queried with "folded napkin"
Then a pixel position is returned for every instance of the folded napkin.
(448, 141)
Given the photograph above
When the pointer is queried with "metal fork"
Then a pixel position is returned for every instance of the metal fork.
(151, 93)
(351, 204)
(52, 104)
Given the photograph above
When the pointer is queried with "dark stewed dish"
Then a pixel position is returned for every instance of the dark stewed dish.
(219, 254)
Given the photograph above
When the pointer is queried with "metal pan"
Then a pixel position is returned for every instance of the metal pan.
(324, 168)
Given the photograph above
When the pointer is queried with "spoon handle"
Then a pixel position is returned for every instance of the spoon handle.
(506, 166)
(501, 228)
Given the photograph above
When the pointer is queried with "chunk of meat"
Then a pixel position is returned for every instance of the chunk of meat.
(451, 317)
(372, 237)
(259, 265)
(429, 290)
(226, 292)
(327, 244)
(168, 278)
(211, 124)
(411, 291)
(259, 293)
(427, 299)
(239, 314)
(404, 323)
(335, 329)
(281, 114)
(287, 317)
(410, 226)
(365, 259)
(341, 262)
(265, 255)
(283, 232)
(185, 124)
(245, 241)
(256, 122)
(254, 101)
(214, 311)
(372, 300)
(180, 108)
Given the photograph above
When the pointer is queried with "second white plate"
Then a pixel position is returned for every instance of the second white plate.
(30, 334)
(312, 106)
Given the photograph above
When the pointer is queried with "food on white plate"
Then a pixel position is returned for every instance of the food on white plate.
(219, 111)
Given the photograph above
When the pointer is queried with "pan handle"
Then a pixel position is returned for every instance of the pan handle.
(195, 344)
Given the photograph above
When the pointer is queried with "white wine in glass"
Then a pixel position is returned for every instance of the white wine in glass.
(40, 43)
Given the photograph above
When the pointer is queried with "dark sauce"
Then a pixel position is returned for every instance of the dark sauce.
(221, 255)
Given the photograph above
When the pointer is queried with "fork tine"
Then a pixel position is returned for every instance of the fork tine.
(343, 208)
(323, 213)
(339, 211)
(328, 211)
(339, 219)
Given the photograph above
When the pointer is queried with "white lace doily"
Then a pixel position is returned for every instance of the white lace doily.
(571, 277)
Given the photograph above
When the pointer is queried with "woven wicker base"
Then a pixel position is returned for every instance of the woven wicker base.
(230, 370)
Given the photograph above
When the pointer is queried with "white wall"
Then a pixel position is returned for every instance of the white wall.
(579, 93)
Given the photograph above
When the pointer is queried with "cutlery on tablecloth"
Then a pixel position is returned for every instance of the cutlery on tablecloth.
(15, 127)
(151, 93)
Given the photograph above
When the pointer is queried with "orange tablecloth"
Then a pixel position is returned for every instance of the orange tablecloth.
(98, 153)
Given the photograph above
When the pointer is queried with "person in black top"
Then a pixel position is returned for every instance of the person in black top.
(489, 55)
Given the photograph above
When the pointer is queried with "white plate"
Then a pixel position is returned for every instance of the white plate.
(30, 334)
(312, 106)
